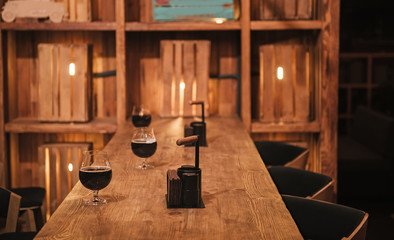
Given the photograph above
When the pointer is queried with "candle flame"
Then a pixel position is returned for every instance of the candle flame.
(70, 167)
(71, 69)
(279, 73)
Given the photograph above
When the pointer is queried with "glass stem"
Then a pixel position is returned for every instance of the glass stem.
(95, 196)
(144, 163)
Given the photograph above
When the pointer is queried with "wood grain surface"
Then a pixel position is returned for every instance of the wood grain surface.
(241, 201)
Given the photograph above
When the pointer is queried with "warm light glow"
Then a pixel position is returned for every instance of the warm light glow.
(219, 20)
(71, 69)
(279, 73)
(182, 85)
(70, 167)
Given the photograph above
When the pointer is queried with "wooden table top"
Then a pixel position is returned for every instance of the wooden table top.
(241, 201)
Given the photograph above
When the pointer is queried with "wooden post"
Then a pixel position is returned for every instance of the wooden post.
(246, 97)
(120, 62)
(329, 88)
(3, 160)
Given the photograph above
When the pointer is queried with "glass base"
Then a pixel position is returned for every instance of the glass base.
(145, 167)
(95, 202)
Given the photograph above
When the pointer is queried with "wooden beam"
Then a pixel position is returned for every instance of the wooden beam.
(329, 88)
(120, 62)
(246, 98)
(3, 160)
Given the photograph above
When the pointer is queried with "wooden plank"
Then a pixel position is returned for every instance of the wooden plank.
(83, 10)
(52, 179)
(269, 9)
(289, 9)
(65, 83)
(177, 77)
(228, 87)
(188, 76)
(46, 54)
(203, 49)
(329, 88)
(302, 84)
(268, 89)
(304, 9)
(257, 210)
(287, 95)
(14, 160)
(120, 62)
(150, 76)
(97, 125)
(146, 11)
(262, 127)
(167, 61)
(245, 65)
(3, 160)
(81, 86)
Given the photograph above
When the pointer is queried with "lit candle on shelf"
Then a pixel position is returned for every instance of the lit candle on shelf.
(279, 73)
(70, 167)
(181, 97)
(71, 69)
(219, 20)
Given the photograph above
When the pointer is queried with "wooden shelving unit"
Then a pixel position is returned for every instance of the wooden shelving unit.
(123, 37)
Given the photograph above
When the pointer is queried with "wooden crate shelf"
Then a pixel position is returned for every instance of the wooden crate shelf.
(29, 125)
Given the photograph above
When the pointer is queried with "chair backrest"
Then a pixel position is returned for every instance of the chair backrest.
(282, 154)
(9, 209)
(322, 220)
(302, 183)
(187, 62)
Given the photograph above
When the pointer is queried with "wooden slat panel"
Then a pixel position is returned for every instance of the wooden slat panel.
(285, 59)
(187, 62)
(302, 85)
(54, 173)
(267, 84)
(167, 71)
(45, 88)
(188, 75)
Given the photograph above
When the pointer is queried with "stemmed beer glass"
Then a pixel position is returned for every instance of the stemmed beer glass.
(95, 174)
(144, 145)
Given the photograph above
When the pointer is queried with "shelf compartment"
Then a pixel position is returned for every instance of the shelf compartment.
(260, 127)
(64, 26)
(286, 25)
(182, 26)
(32, 125)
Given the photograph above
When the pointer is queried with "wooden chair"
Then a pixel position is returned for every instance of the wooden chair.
(31, 206)
(282, 154)
(326, 221)
(302, 183)
(10, 210)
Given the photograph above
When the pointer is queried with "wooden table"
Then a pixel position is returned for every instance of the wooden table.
(241, 201)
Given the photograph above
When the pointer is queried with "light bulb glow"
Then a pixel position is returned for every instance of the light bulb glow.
(219, 20)
(71, 69)
(70, 167)
(182, 85)
(279, 73)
